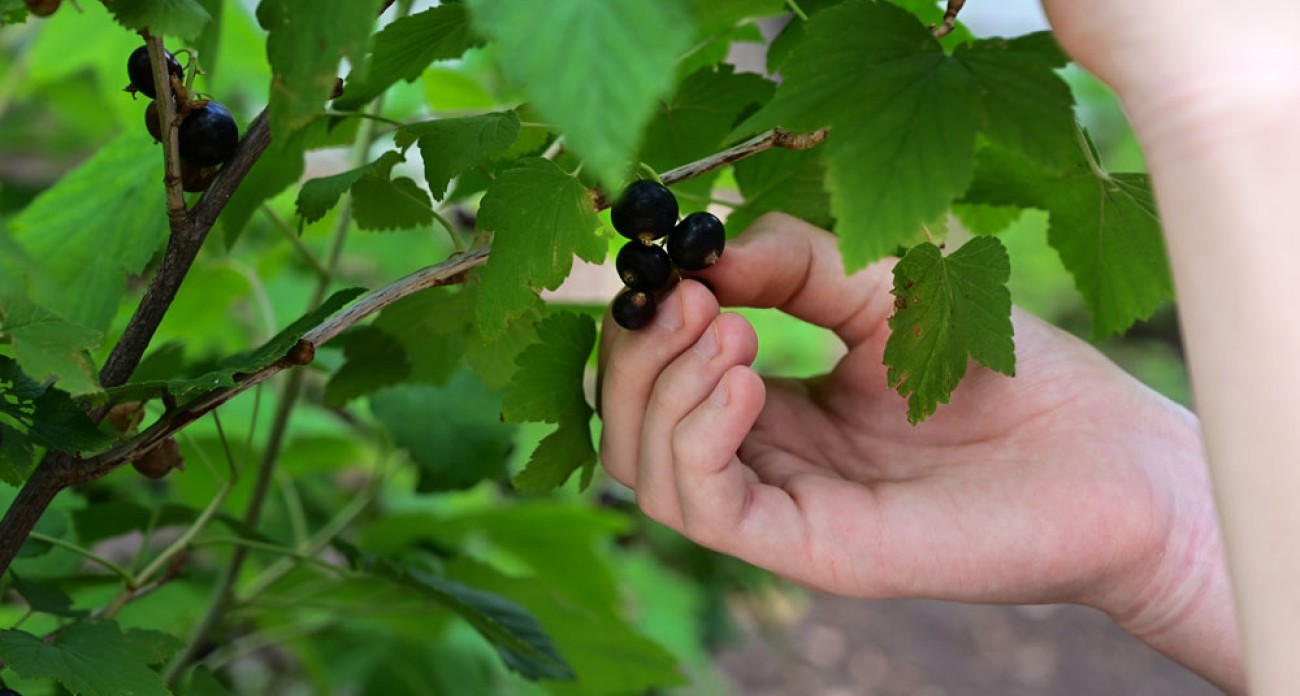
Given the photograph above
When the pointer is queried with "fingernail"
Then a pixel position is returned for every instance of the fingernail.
(720, 394)
(707, 346)
(669, 316)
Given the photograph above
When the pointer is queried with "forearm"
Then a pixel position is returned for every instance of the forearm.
(1226, 176)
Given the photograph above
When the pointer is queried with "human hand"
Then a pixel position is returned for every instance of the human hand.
(1069, 483)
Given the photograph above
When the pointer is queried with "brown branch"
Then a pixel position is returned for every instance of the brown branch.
(169, 124)
(59, 470)
(759, 143)
(949, 19)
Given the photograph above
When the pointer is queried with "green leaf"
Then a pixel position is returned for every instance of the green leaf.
(608, 656)
(421, 338)
(1026, 106)
(986, 219)
(46, 597)
(183, 18)
(100, 224)
(48, 417)
(948, 310)
(518, 638)
(596, 69)
(452, 146)
(904, 116)
(454, 433)
(12, 12)
(556, 457)
(318, 196)
(1104, 226)
(406, 47)
(696, 120)
(787, 181)
(269, 352)
(203, 683)
(48, 347)
(375, 359)
(390, 204)
(307, 38)
(548, 387)
(279, 167)
(493, 359)
(88, 658)
(541, 217)
(17, 455)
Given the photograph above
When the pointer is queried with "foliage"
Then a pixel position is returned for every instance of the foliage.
(400, 512)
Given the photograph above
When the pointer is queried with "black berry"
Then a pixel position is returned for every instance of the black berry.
(647, 210)
(633, 309)
(208, 135)
(9, 692)
(644, 266)
(137, 67)
(196, 177)
(696, 243)
(40, 8)
(152, 121)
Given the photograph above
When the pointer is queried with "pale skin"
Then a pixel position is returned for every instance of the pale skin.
(1070, 482)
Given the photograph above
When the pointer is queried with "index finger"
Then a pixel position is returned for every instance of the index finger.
(783, 262)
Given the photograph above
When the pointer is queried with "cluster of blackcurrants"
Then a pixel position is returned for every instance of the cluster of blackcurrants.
(208, 134)
(645, 213)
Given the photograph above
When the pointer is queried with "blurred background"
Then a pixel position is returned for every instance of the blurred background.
(736, 630)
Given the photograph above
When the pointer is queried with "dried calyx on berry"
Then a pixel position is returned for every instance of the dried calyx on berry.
(141, 74)
(647, 210)
(633, 309)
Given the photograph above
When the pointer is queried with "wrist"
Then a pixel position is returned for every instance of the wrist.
(1178, 598)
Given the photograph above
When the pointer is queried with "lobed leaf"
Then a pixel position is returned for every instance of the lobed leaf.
(948, 310)
(184, 18)
(407, 46)
(89, 658)
(541, 217)
(452, 146)
(596, 69)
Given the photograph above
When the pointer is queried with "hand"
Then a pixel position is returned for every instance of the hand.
(1069, 483)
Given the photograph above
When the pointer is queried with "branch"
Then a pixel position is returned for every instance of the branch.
(949, 19)
(169, 125)
(60, 470)
(759, 143)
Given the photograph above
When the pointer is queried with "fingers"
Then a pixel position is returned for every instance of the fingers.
(784, 262)
(727, 342)
(633, 360)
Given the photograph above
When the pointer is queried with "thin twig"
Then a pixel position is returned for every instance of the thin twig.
(949, 19)
(169, 123)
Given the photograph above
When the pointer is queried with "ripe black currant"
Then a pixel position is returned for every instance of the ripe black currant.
(696, 243)
(647, 210)
(633, 309)
(208, 135)
(196, 177)
(644, 267)
(41, 8)
(152, 121)
(137, 67)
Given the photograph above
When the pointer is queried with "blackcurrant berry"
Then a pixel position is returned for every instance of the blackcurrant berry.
(157, 462)
(196, 177)
(9, 692)
(208, 135)
(644, 266)
(696, 243)
(152, 121)
(647, 211)
(40, 8)
(633, 309)
(137, 68)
